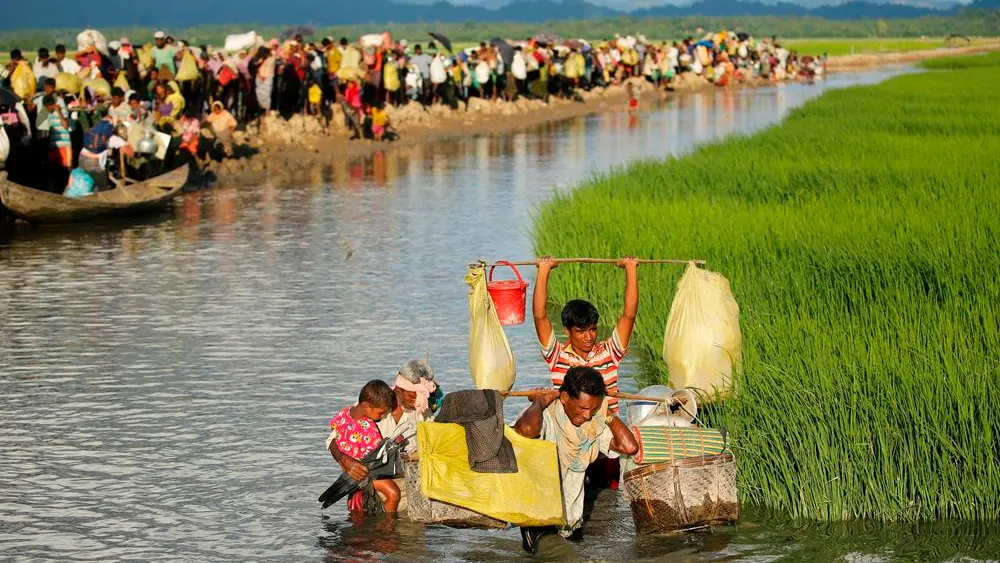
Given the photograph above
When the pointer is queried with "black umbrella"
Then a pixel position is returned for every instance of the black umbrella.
(8, 97)
(506, 51)
(383, 461)
(444, 41)
(743, 36)
(303, 30)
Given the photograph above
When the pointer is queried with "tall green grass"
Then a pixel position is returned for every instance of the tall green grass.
(861, 239)
(986, 60)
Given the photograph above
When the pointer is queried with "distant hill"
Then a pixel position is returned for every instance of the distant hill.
(188, 13)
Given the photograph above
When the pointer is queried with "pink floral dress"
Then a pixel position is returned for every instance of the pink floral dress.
(354, 437)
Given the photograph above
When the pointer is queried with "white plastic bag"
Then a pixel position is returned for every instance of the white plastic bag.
(242, 42)
(491, 360)
(372, 40)
(92, 38)
(702, 344)
(4, 144)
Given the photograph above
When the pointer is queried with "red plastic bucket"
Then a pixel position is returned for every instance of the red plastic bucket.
(508, 295)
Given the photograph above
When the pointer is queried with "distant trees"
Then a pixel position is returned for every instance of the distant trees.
(970, 22)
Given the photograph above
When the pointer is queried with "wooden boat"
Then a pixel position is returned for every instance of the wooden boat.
(38, 206)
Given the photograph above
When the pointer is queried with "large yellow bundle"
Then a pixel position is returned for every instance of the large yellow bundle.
(99, 86)
(188, 69)
(22, 81)
(530, 497)
(146, 56)
(122, 82)
(702, 343)
(390, 76)
(68, 83)
(491, 360)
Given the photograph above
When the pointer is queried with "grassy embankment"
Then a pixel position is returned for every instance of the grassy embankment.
(860, 238)
(855, 46)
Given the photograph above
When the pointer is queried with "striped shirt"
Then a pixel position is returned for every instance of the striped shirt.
(604, 357)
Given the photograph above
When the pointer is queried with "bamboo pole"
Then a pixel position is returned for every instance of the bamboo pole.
(699, 262)
(618, 395)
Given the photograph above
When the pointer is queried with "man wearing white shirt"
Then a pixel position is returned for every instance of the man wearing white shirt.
(44, 67)
(66, 65)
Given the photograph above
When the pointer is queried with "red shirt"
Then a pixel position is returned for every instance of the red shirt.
(354, 437)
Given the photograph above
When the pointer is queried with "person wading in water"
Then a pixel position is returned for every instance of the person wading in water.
(579, 320)
(575, 418)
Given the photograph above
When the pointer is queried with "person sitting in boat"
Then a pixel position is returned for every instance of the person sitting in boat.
(576, 419)
(354, 434)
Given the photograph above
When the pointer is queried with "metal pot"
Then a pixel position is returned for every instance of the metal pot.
(147, 145)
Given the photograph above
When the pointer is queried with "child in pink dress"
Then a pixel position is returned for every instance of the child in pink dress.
(353, 434)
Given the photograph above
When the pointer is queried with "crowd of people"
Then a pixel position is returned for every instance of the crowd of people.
(72, 112)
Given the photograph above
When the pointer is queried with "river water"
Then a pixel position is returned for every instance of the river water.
(166, 383)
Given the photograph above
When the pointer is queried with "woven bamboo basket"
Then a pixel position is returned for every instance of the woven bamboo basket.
(422, 509)
(683, 494)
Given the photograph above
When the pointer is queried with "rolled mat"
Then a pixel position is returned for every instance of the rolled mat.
(658, 444)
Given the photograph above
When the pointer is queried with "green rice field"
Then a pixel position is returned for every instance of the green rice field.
(860, 237)
(853, 46)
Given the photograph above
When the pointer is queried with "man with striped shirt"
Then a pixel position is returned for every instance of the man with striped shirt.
(579, 320)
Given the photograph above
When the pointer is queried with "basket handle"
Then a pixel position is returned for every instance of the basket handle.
(489, 277)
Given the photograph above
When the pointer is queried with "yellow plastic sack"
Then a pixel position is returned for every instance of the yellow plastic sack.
(67, 82)
(390, 77)
(22, 81)
(491, 360)
(702, 343)
(188, 69)
(146, 56)
(530, 497)
(122, 82)
(99, 86)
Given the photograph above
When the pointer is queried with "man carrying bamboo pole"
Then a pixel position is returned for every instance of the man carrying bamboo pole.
(575, 419)
(579, 320)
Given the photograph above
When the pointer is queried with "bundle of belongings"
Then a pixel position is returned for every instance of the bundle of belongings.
(383, 461)
(470, 458)
(480, 413)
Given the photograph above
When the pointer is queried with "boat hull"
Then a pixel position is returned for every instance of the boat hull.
(38, 206)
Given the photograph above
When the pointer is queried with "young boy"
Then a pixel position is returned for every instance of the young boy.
(579, 320)
(354, 433)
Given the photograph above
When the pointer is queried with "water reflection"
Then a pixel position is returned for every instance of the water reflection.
(167, 382)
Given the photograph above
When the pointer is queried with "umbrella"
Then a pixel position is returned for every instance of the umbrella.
(506, 50)
(302, 30)
(706, 43)
(8, 97)
(743, 36)
(573, 44)
(444, 41)
(383, 461)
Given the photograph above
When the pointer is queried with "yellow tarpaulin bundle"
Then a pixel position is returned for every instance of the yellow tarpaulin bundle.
(188, 69)
(491, 360)
(702, 344)
(122, 82)
(146, 56)
(67, 83)
(22, 81)
(530, 497)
